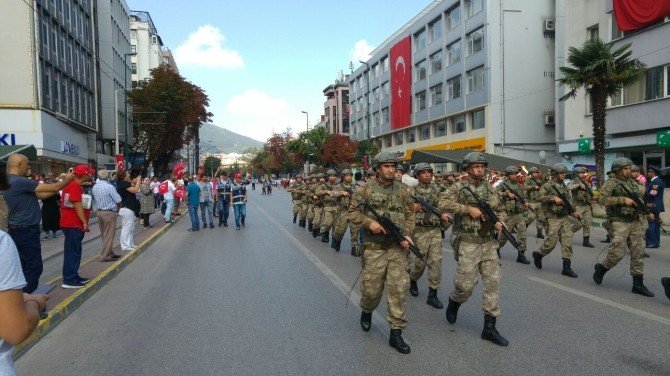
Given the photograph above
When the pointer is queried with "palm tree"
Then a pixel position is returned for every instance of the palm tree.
(602, 71)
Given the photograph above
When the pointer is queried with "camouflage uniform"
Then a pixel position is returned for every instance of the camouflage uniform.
(515, 216)
(343, 219)
(318, 206)
(296, 195)
(626, 228)
(309, 192)
(583, 206)
(331, 206)
(536, 212)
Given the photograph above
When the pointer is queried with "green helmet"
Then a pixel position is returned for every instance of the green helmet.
(511, 170)
(370, 171)
(298, 176)
(331, 172)
(580, 170)
(558, 167)
(533, 170)
(400, 167)
(635, 168)
(473, 158)
(423, 166)
(384, 157)
(346, 171)
(620, 163)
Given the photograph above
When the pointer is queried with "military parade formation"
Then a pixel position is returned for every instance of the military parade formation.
(397, 225)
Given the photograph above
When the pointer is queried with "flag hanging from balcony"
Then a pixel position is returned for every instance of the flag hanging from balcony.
(401, 83)
(636, 14)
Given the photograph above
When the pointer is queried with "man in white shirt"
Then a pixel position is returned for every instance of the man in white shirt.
(169, 198)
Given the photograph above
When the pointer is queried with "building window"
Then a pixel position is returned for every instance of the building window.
(385, 115)
(476, 79)
(475, 41)
(654, 87)
(46, 88)
(154, 39)
(436, 95)
(472, 7)
(454, 88)
(458, 124)
(399, 138)
(592, 32)
(441, 128)
(454, 52)
(375, 119)
(134, 68)
(386, 64)
(420, 40)
(435, 29)
(410, 136)
(453, 17)
(420, 70)
(133, 48)
(478, 121)
(616, 32)
(388, 142)
(436, 62)
(420, 100)
(385, 88)
(63, 99)
(424, 132)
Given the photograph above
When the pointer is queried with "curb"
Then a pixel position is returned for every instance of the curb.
(70, 304)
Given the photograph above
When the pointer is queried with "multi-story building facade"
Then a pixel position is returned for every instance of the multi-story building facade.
(113, 21)
(147, 46)
(48, 81)
(336, 107)
(482, 77)
(638, 118)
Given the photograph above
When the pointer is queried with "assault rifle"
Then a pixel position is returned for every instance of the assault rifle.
(641, 205)
(427, 207)
(492, 217)
(567, 206)
(517, 196)
(586, 187)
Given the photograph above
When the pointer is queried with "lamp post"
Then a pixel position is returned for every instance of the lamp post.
(306, 114)
(125, 102)
(116, 121)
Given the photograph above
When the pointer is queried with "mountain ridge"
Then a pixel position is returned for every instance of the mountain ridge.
(215, 139)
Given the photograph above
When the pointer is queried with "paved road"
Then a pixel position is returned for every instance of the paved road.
(271, 300)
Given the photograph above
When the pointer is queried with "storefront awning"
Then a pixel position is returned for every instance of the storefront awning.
(28, 150)
(456, 156)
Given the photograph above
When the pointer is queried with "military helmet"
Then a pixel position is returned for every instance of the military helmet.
(620, 163)
(473, 158)
(580, 170)
(511, 170)
(346, 171)
(370, 171)
(298, 176)
(400, 167)
(423, 166)
(533, 170)
(635, 168)
(384, 157)
(331, 172)
(558, 167)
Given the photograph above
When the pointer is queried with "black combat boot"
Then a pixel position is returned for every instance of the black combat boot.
(396, 341)
(539, 234)
(452, 311)
(315, 232)
(302, 223)
(521, 258)
(666, 285)
(599, 273)
(295, 216)
(366, 321)
(353, 251)
(490, 333)
(310, 227)
(336, 244)
(567, 270)
(537, 259)
(433, 301)
(587, 243)
(607, 239)
(640, 288)
(325, 237)
(413, 288)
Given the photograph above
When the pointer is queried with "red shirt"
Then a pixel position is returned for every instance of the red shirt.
(68, 216)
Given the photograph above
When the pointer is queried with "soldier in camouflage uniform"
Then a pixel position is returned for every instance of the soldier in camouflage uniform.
(296, 196)
(558, 224)
(583, 200)
(625, 224)
(303, 202)
(515, 210)
(606, 224)
(474, 244)
(427, 235)
(309, 198)
(318, 205)
(532, 187)
(331, 204)
(384, 259)
(345, 186)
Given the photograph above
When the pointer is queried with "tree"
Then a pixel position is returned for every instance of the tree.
(309, 144)
(168, 111)
(602, 72)
(339, 150)
(366, 148)
(212, 164)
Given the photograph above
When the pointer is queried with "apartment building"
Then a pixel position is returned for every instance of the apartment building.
(336, 107)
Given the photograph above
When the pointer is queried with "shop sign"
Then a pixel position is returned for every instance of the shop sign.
(663, 138)
(584, 145)
(69, 148)
(8, 139)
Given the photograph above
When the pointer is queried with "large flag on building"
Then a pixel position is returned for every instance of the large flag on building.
(636, 14)
(401, 83)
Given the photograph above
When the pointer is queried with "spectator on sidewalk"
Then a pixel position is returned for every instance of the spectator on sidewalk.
(20, 311)
(25, 215)
(75, 212)
(193, 200)
(127, 189)
(168, 198)
(206, 201)
(158, 198)
(223, 193)
(106, 204)
(238, 197)
(50, 214)
(654, 191)
(146, 202)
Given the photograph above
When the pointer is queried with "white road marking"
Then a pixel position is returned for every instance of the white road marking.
(608, 302)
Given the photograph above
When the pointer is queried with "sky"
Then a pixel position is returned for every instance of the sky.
(262, 62)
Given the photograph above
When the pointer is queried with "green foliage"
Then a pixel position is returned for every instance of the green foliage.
(212, 165)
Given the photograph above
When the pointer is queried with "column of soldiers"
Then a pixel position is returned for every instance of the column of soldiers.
(476, 240)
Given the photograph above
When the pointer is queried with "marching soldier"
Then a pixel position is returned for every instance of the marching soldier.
(330, 199)
(474, 244)
(303, 202)
(625, 225)
(532, 187)
(507, 191)
(296, 195)
(559, 227)
(309, 189)
(343, 222)
(580, 194)
(384, 260)
(427, 235)
(318, 205)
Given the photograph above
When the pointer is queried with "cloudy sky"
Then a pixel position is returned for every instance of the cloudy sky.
(262, 62)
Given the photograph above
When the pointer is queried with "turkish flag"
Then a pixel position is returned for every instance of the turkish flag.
(120, 162)
(401, 83)
(636, 14)
(178, 170)
(163, 188)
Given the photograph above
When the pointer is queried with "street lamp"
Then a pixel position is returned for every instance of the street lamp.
(305, 112)
(116, 121)
(125, 88)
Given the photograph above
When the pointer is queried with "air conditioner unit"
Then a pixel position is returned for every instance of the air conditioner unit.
(549, 25)
(549, 120)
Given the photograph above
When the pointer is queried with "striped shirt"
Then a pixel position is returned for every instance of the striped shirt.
(106, 197)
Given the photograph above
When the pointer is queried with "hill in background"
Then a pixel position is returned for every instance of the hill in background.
(214, 139)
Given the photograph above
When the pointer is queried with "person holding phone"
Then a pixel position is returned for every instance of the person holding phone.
(127, 189)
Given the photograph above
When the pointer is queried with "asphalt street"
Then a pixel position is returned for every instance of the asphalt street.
(270, 299)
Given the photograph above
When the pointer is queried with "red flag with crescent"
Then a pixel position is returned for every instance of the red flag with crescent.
(178, 170)
(163, 188)
(120, 162)
(401, 83)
